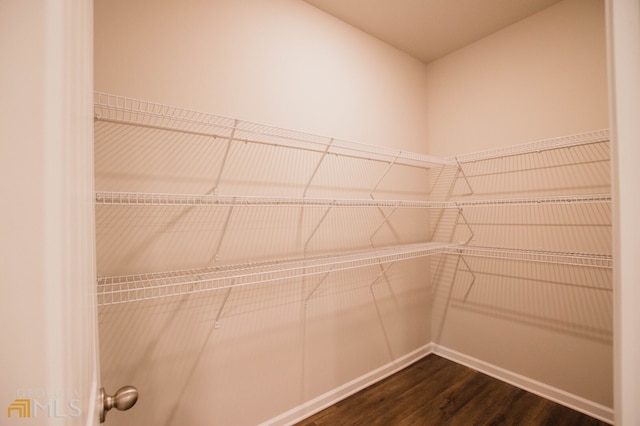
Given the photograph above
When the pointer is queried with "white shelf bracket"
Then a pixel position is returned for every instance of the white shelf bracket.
(386, 219)
(437, 179)
(224, 158)
(324, 154)
(384, 175)
(447, 197)
(464, 176)
(326, 212)
(224, 231)
(464, 219)
(380, 275)
(473, 278)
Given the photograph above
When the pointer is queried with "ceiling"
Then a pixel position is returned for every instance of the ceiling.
(430, 29)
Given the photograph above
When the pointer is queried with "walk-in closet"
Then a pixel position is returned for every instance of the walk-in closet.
(268, 212)
(289, 209)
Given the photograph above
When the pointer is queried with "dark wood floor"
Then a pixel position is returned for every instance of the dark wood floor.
(436, 391)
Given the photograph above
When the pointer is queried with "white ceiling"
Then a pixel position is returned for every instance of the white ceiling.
(430, 29)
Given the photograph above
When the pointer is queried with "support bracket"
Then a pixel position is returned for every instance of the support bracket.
(473, 280)
(324, 154)
(380, 275)
(385, 220)
(216, 323)
(384, 175)
(224, 231)
(464, 176)
(464, 219)
(326, 212)
(224, 158)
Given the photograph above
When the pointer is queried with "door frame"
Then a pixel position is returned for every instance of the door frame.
(623, 50)
(48, 311)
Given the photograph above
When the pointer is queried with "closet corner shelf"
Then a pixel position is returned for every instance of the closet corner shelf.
(125, 110)
(131, 288)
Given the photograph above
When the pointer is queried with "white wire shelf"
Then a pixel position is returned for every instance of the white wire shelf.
(140, 287)
(120, 109)
(160, 199)
(131, 288)
(596, 136)
(561, 258)
(531, 201)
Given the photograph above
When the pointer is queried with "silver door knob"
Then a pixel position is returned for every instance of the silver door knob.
(124, 399)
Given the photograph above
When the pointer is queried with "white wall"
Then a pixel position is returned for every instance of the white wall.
(542, 77)
(283, 63)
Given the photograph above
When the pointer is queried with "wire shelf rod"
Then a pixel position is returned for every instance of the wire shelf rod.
(569, 141)
(562, 258)
(119, 109)
(130, 288)
(215, 136)
(555, 199)
(113, 290)
(161, 199)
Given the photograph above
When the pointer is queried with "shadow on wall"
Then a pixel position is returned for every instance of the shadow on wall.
(572, 300)
(521, 286)
(199, 346)
(143, 238)
(295, 339)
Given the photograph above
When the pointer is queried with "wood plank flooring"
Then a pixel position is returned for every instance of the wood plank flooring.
(436, 391)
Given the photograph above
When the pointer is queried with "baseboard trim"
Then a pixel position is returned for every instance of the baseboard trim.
(327, 399)
(567, 399)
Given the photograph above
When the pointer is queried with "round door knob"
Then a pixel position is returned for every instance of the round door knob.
(125, 398)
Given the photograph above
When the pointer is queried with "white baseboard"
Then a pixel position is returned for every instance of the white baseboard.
(567, 399)
(551, 393)
(327, 399)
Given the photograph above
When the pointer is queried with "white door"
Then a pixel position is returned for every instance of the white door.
(49, 370)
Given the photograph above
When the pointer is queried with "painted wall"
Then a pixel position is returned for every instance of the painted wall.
(542, 77)
(283, 63)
